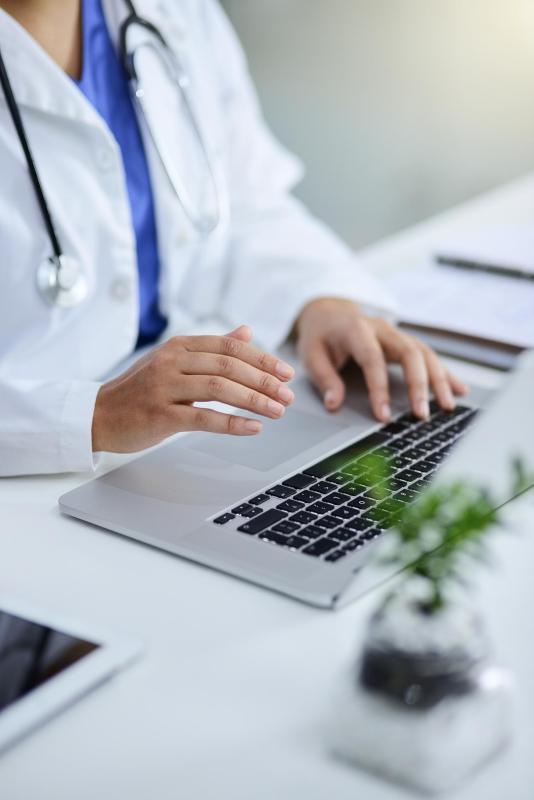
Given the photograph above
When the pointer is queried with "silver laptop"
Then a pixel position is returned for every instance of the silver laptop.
(286, 509)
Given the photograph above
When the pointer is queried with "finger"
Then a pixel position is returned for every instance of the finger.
(458, 387)
(367, 352)
(439, 380)
(237, 371)
(416, 374)
(243, 332)
(205, 419)
(234, 348)
(209, 388)
(325, 376)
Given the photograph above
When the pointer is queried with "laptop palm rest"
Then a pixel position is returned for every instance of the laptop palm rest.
(280, 440)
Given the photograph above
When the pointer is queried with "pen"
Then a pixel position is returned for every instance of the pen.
(479, 266)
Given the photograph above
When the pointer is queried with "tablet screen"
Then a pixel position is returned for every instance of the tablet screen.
(31, 654)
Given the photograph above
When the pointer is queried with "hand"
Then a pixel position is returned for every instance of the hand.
(154, 398)
(332, 331)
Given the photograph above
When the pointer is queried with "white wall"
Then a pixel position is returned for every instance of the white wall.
(399, 108)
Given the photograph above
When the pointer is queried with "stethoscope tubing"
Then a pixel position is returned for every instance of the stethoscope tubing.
(54, 277)
(32, 168)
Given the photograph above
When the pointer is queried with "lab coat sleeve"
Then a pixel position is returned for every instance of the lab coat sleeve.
(45, 426)
(280, 256)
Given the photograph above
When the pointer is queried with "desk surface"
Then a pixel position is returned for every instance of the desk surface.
(229, 700)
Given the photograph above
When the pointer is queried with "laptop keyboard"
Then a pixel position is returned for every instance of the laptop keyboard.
(326, 510)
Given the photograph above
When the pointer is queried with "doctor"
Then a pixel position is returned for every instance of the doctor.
(144, 220)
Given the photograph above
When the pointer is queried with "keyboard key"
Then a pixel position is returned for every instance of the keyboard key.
(408, 439)
(397, 483)
(251, 512)
(264, 520)
(420, 485)
(242, 508)
(324, 487)
(335, 556)
(320, 547)
(343, 534)
(437, 458)
(336, 461)
(298, 481)
(443, 437)
(303, 518)
(224, 518)
(345, 512)
(410, 475)
(353, 469)
(355, 544)
(312, 532)
(307, 497)
(403, 461)
(321, 508)
(362, 502)
(286, 527)
(327, 522)
(413, 454)
(397, 445)
(425, 466)
(296, 542)
(354, 489)
(369, 519)
(339, 478)
(405, 495)
(394, 428)
(373, 533)
(336, 498)
(359, 524)
(259, 499)
(290, 505)
(276, 538)
(389, 506)
(281, 491)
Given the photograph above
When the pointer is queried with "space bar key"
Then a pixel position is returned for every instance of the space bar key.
(262, 521)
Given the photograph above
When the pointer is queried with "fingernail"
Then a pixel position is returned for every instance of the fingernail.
(450, 402)
(329, 398)
(284, 370)
(275, 408)
(422, 409)
(285, 394)
(385, 412)
(252, 426)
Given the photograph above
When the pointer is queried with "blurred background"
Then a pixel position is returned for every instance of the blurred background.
(399, 108)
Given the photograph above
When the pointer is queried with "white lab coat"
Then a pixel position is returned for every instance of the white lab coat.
(272, 258)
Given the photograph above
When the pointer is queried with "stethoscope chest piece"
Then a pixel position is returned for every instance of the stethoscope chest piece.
(61, 282)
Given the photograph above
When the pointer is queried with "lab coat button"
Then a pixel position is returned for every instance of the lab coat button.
(121, 289)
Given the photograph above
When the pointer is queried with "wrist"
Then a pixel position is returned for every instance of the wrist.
(98, 426)
(322, 305)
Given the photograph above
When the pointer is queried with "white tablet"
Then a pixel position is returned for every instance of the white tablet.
(46, 663)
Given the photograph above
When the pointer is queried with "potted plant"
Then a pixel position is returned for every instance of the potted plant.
(425, 705)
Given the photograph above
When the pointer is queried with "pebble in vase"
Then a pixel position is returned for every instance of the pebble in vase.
(424, 705)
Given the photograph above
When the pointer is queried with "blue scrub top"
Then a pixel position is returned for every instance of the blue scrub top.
(105, 84)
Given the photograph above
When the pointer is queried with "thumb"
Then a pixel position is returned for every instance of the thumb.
(242, 332)
(325, 376)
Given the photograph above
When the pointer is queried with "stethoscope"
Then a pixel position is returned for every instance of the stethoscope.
(61, 280)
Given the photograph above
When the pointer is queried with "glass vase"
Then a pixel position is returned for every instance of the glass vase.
(424, 705)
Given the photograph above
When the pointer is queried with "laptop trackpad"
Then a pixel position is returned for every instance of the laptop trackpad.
(279, 441)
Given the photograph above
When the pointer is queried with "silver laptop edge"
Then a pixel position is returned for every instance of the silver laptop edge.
(167, 497)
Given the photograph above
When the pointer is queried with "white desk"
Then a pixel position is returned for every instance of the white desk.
(228, 700)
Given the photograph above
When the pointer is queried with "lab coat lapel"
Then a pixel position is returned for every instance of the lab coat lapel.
(37, 81)
(179, 247)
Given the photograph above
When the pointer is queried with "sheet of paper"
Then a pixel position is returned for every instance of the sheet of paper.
(504, 246)
(472, 303)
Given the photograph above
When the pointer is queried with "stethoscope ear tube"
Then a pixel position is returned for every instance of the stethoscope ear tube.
(32, 169)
